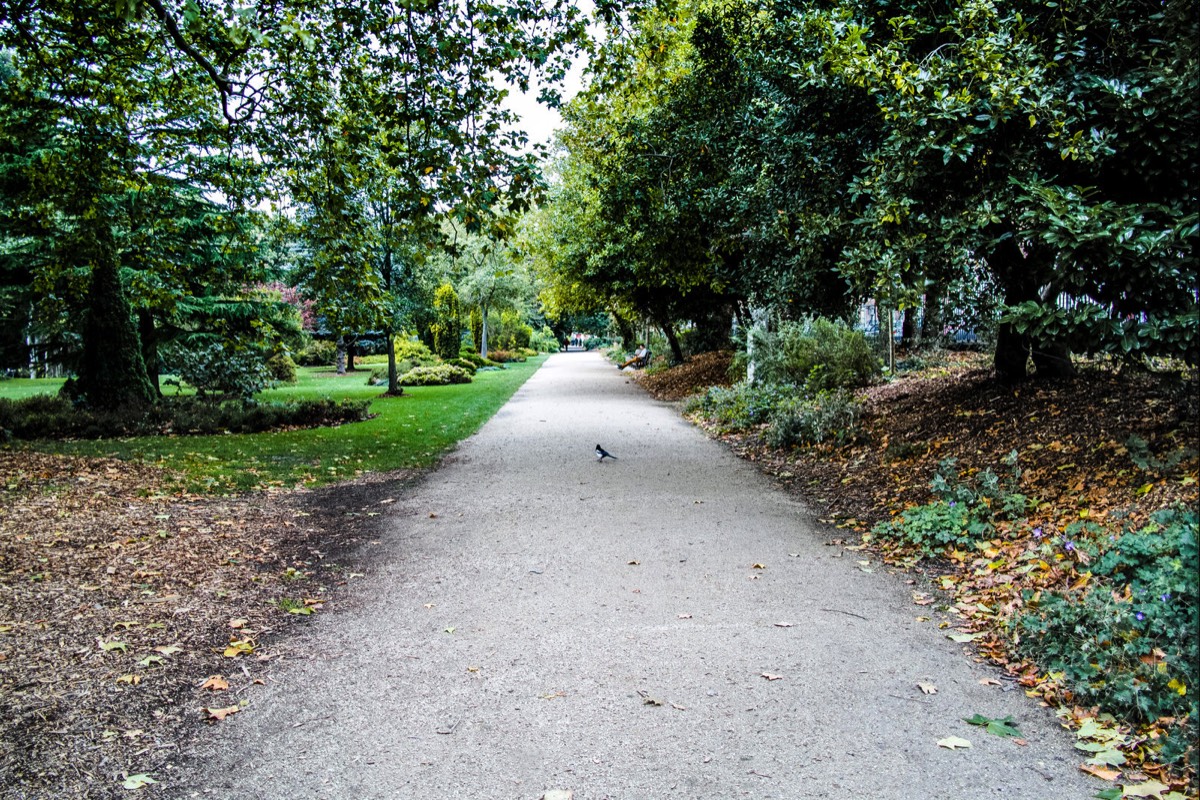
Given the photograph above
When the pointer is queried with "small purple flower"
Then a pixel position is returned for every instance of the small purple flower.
(1037, 533)
(1165, 597)
(952, 504)
(1140, 616)
(1068, 545)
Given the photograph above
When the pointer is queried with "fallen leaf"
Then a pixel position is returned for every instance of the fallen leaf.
(238, 623)
(990, 682)
(783, 625)
(927, 688)
(239, 647)
(132, 680)
(215, 683)
(963, 637)
(1003, 727)
(683, 616)
(953, 743)
(168, 649)
(1150, 788)
(1103, 773)
(634, 563)
(759, 566)
(771, 677)
(219, 714)
(139, 781)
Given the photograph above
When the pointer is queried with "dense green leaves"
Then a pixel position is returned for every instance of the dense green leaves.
(801, 155)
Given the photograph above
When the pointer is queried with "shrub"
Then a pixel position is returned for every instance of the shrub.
(415, 352)
(817, 354)
(829, 416)
(1130, 642)
(230, 368)
(740, 406)
(464, 363)
(317, 353)
(441, 375)
(544, 341)
(282, 368)
(447, 330)
(49, 417)
(505, 356)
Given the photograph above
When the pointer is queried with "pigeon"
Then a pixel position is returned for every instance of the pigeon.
(602, 454)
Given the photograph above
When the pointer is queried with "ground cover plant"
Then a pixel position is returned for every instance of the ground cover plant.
(1051, 525)
(134, 612)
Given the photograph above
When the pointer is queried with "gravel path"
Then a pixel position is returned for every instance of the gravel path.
(539, 622)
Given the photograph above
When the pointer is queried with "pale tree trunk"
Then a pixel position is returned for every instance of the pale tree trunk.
(339, 360)
(483, 343)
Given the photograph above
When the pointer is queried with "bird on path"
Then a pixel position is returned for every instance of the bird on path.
(602, 454)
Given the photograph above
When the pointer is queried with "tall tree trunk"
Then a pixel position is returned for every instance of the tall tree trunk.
(351, 352)
(908, 328)
(624, 328)
(483, 330)
(112, 374)
(672, 340)
(149, 338)
(931, 323)
(1011, 359)
(394, 388)
(1053, 360)
(339, 360)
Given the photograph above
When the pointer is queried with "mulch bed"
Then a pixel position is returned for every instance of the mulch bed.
(119, 600)
(698, 372)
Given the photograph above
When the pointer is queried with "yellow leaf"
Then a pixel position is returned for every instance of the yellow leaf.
(760, 566)
(132, 680)
(1150, 788)
(1178, 686)
(239, 647)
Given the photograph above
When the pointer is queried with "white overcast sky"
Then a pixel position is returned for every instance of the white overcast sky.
(537, 120)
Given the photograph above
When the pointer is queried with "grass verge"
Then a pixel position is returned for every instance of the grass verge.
(409, 432)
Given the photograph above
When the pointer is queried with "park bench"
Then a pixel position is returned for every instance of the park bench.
(644, 361)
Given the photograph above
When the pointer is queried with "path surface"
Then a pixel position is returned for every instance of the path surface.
(510, 644)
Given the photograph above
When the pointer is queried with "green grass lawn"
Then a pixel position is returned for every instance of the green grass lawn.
(413, 431)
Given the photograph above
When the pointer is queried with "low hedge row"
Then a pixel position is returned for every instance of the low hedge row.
(52, 417)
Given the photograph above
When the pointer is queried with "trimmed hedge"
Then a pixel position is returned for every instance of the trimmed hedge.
(441, 375)
(52, 417)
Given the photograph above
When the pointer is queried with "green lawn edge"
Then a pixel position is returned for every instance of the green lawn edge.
(409, 432)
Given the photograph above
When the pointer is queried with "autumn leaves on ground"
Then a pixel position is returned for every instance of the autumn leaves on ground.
(132, 616)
